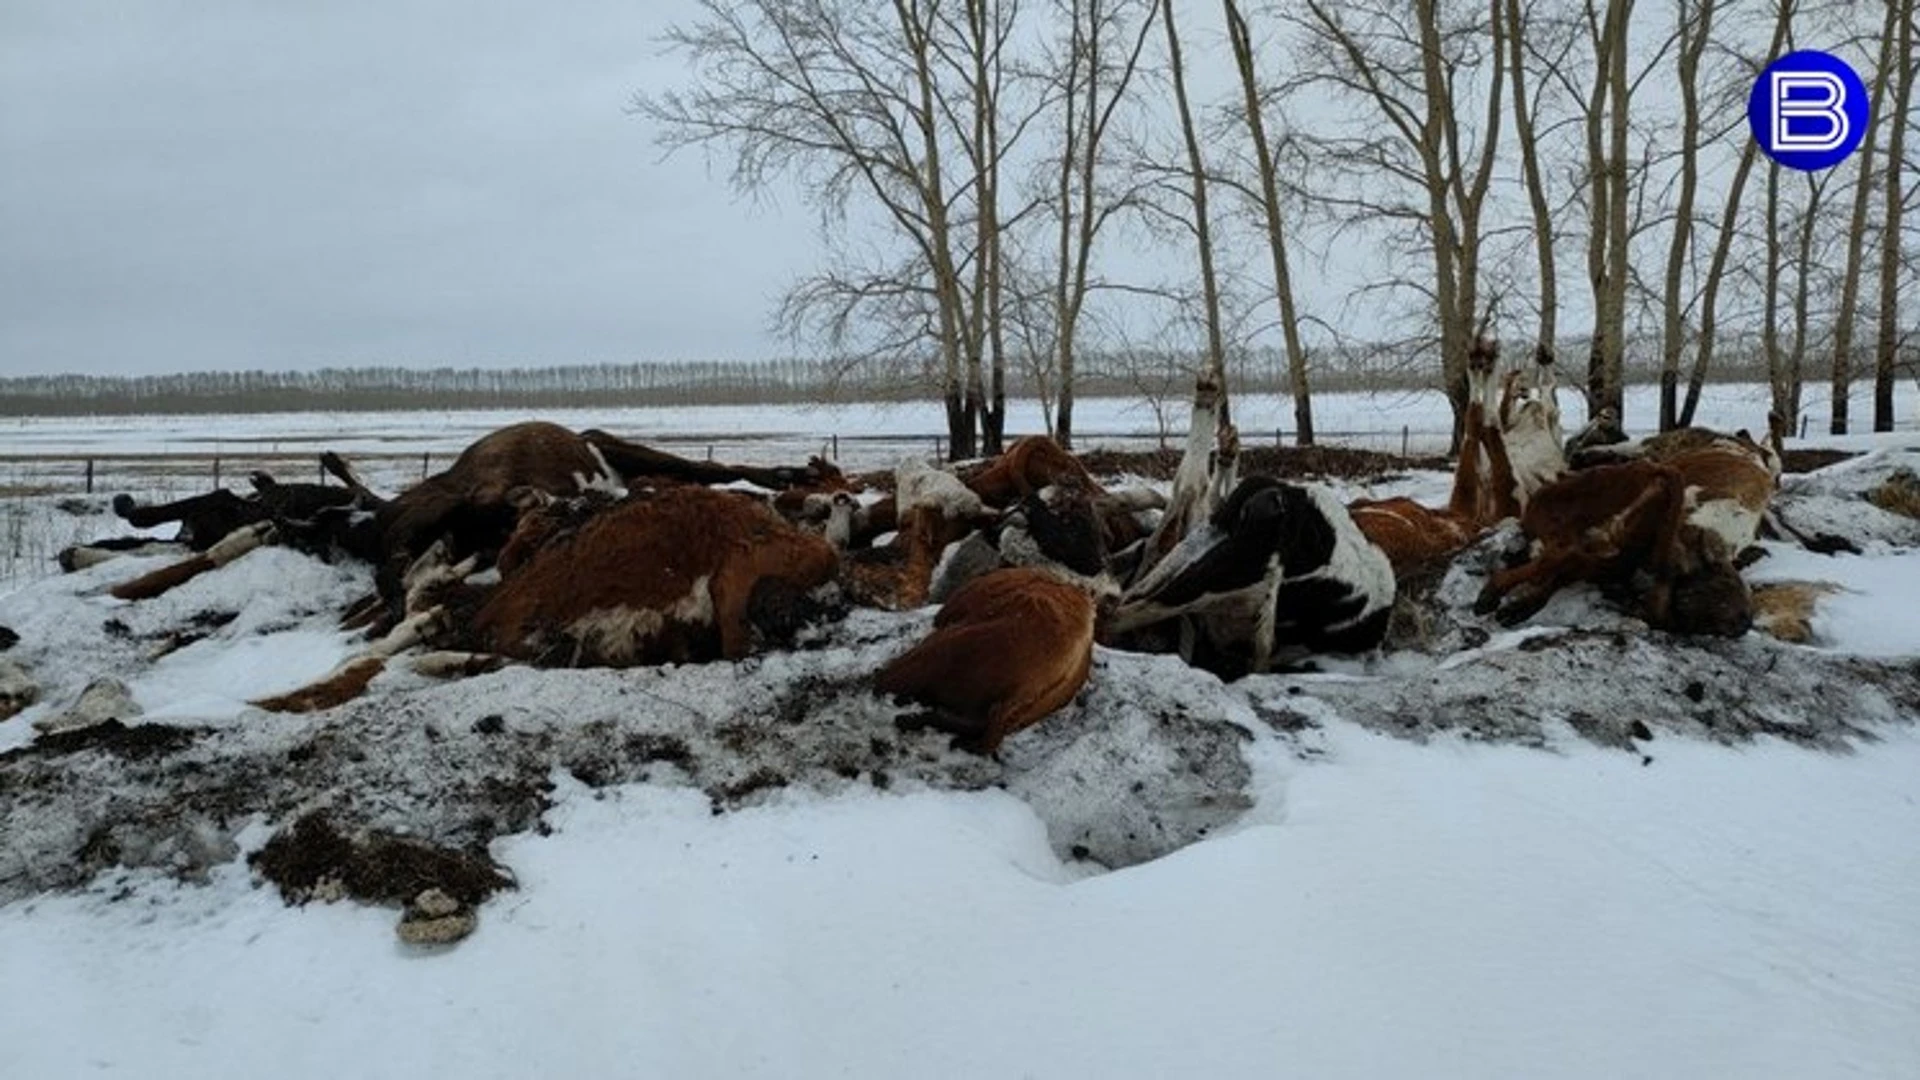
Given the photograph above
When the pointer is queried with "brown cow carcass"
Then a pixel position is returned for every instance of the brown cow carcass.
(1624, 526)
(683, 573)
(1007, 649)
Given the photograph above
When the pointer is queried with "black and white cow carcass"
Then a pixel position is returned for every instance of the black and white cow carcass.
(1277, 573)
(317, 517)
(1254, 575)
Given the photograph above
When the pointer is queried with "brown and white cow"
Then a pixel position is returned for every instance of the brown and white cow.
(684, 573)
(1624, 525)
(1484, 492)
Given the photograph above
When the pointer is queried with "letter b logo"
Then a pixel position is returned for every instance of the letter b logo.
(1808, 110)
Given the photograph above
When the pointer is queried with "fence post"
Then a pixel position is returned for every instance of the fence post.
(321, 462)
(836, 446)
(709, 453)
(216, 472)
(1803, 427)
(1404, 432)
(1279, 437)
(425, 457)
(89, 476)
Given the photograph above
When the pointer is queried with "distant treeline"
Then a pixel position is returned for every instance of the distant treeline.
(685, 383)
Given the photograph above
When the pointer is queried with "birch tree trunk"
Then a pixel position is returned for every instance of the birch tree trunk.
(1216, 355)
(1242, 44)
(1842, 385)
(1695, 31)
(1887, 340)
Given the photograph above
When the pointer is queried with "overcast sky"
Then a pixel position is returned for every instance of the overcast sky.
(227, 184)
(208, 184)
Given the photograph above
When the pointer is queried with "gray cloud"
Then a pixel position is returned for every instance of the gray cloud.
(228, 184)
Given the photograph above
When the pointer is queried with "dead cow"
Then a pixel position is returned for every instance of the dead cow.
(467, 506)
(220, 526)
(685, 574)
(1006, 650)
(681, 574)
(1484, 490)
(1624, 525)
(1529, 419)
(1730, 479)
(1280, 571)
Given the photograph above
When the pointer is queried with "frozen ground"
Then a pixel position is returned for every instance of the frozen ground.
(1466, 861)
(870, 435)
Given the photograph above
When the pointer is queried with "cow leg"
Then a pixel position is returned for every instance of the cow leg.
(231, 547)
(731, 591)
(1500, 498)
(336, 466)
(1548, 385)
(456, 665)
(631, 460)
(204, 519)
(1186, 501)
(1226, 469)
(1501, 583)
(1520, 593)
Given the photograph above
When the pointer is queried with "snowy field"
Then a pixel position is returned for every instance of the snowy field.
(869, 435)
(1460, 861)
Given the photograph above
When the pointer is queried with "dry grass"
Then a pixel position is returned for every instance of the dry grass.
(1785, 609)
(1898, 494)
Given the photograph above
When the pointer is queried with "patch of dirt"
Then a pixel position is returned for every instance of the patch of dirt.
(1609, 685)
(314, 859)
(138, 742)
(672, 749)
(1812, 459)
(1413, 623)
(199, 626)
(731, 795)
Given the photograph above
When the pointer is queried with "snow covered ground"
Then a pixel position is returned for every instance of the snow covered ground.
(1451, 865)
(871, 435)
(1446, 910)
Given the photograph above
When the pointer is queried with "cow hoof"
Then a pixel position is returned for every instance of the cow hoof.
(1512, 617)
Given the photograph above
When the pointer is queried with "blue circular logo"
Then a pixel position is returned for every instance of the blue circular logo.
(1808, 110)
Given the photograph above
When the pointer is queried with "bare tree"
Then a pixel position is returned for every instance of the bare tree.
(1106, 40)
(984, 35)
(1695, 28)
(1778, 394)
(1267, 197)
(891, 108)
(1723, 246)
(1856, 235)
(1607, 122)
(1215, 360)
(1159, 377)
(1887, 343)
(1521, 27)
(1408, 164)
(1805, 269)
